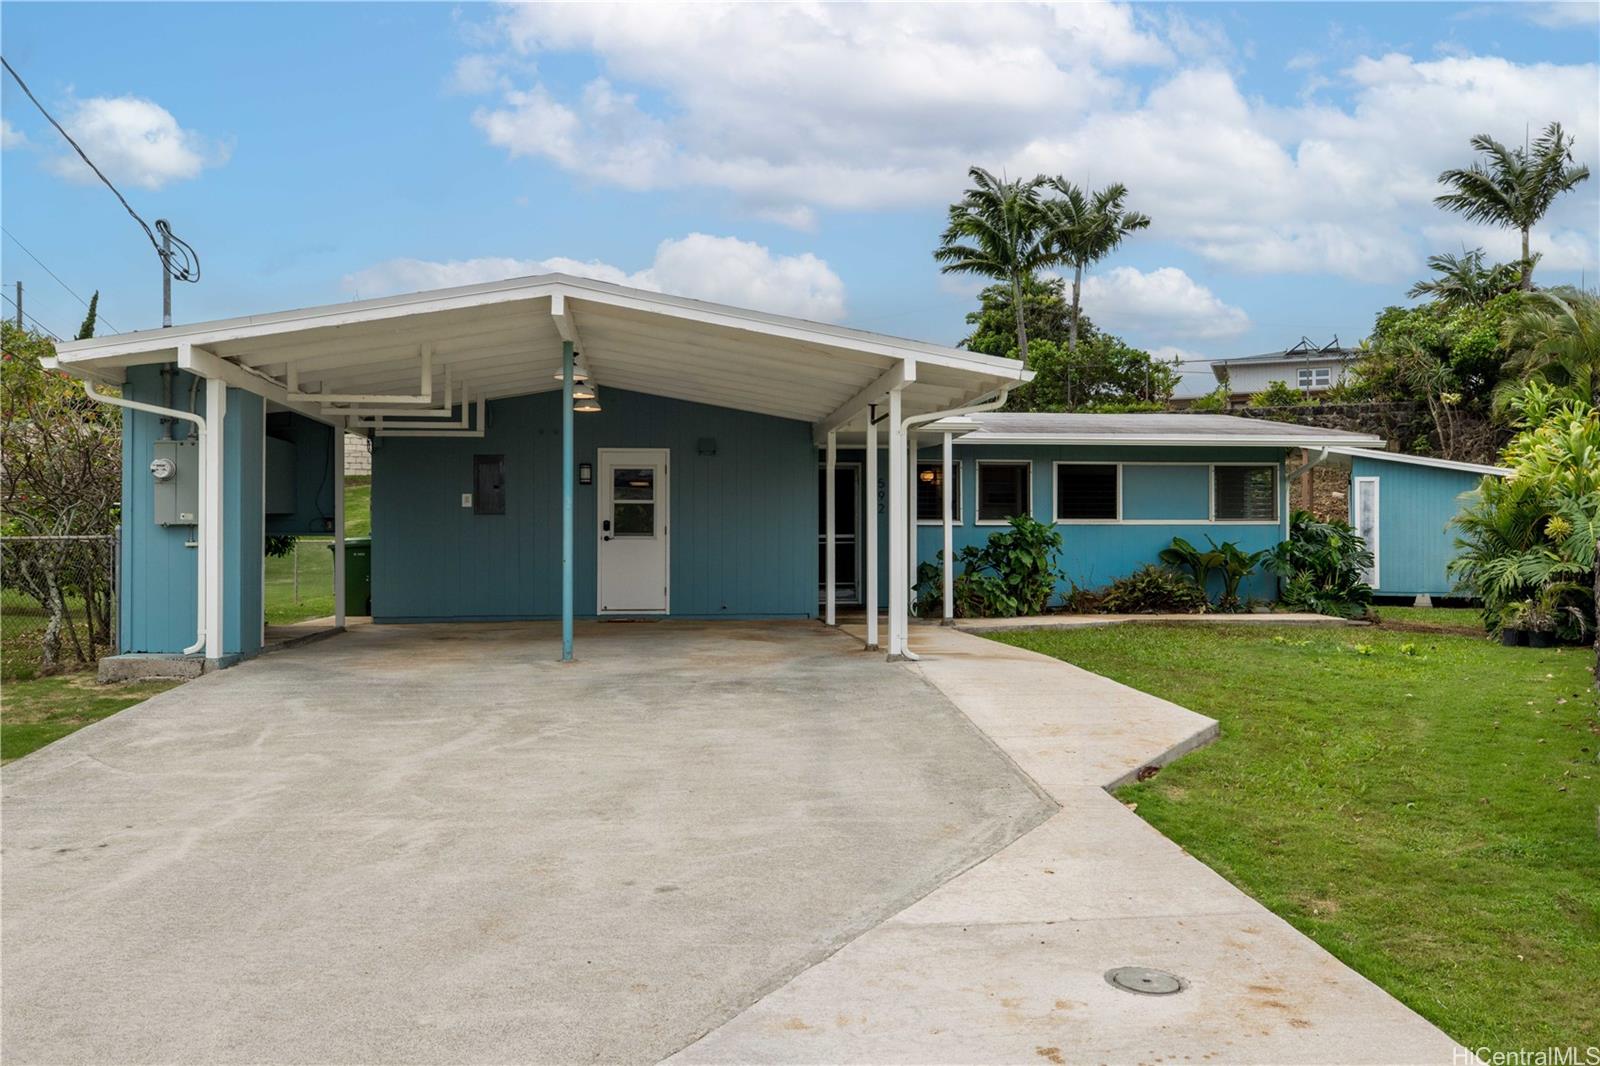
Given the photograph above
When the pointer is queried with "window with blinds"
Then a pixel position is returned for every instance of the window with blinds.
(1003, 491)
(1087, 492)
(1244, 493)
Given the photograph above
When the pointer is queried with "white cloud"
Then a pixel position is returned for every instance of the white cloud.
(478, 72)
(1560, 14)
(10, 136)
(1165, 303)
(133, 140)
(721, 269)
(790, 109)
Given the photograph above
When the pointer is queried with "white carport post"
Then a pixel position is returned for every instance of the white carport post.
(829, 537)
(949, 563)
(871, 504)
(897, 529)
(211, 543)
(910, 531)
(339, 604)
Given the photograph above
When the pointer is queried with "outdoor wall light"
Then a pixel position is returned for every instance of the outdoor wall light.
(578, 372)
(586, 473)
(926, 476)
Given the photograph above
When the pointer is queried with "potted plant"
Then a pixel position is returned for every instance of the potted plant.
(1512, 633)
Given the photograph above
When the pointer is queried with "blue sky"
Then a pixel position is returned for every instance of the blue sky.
(797, 159)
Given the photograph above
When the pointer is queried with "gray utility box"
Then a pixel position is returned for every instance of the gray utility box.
(175, 469)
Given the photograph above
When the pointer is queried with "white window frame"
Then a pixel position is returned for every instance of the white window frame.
(977, 490)
(1377, 519)
(1277, 497)
(955, 498)
(1321, 377)
(1055, 494)
(1303, 377)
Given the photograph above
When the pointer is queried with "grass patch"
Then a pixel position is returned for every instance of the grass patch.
(34, 713)
(1445, 618)
(1422, 805)
(315, 596)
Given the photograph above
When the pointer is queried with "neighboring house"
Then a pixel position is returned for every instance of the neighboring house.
(1304, 366)
(357, 455)
(694, 484)
(1402, 506)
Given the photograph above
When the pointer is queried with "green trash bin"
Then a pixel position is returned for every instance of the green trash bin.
(357, 575)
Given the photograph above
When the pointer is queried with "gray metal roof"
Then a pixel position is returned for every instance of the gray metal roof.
(1158, 429)
(1334, 355)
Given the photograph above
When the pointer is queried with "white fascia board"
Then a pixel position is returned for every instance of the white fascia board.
(1424, 460)
(533, 288)
(1184, 440)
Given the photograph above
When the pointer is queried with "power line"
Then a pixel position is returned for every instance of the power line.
(30, 318)
(98, 316)
(187, 267)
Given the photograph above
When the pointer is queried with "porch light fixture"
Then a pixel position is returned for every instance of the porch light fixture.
(588, 406)
(578, 372)
(583, 390)
(927, 476)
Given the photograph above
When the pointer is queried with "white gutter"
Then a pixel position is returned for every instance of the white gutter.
(201, 530)
(906, 426)
(1315, 461)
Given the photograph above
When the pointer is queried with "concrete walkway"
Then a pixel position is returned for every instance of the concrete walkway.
(1005, 963)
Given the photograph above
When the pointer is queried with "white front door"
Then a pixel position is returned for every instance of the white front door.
(633, 530)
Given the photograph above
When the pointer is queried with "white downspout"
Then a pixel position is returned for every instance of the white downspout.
(201, 530)
(904, 628)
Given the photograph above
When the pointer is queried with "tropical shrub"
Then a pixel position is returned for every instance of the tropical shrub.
(1227, 558)
(1322, 564)
(1152, 590)
(1014, 573)
(1279, 394)
(1529, 539)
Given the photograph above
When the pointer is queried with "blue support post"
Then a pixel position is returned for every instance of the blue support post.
(567, 477)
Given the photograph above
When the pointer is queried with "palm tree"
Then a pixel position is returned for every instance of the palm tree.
(1554, 338)
(1516, 187)
(1463, 281)
(996, 230)
(1084, 229)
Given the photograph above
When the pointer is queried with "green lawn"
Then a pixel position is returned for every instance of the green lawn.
(1422, 805)
(316, 563)
(33, 713)
(1449, 618)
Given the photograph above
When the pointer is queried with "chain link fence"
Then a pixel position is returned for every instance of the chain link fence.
(58, 603)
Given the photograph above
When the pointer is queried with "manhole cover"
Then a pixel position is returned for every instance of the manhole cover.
(1145, 981)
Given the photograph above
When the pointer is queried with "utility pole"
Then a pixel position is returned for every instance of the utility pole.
(166, 277)
(19, 305)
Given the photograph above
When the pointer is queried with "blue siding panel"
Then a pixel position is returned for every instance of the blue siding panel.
(1094, 555)
(742, 522)
(1176, 492)
(1415, 506)
(157, 609)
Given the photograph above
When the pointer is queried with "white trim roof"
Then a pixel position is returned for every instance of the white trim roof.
(1155, 430)
(504, 338)
(1424, 460)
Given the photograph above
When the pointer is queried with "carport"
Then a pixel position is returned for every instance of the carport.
(538, 442)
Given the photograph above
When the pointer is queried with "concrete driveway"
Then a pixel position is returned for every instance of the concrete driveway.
(435, 844)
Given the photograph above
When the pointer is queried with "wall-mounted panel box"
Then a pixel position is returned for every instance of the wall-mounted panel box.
(175, 469)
